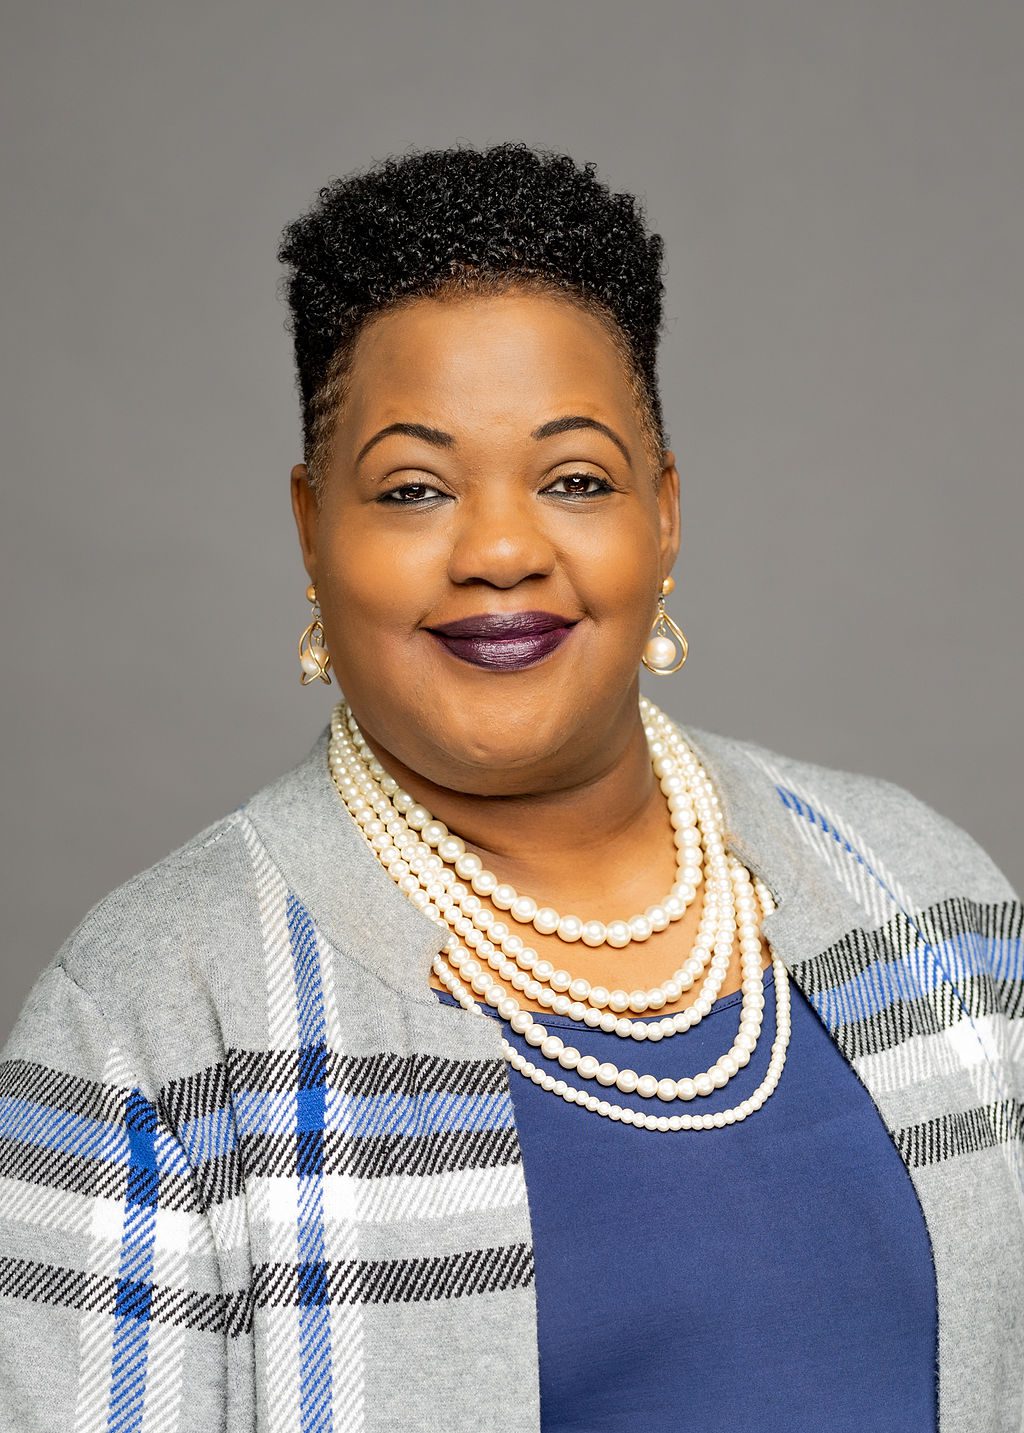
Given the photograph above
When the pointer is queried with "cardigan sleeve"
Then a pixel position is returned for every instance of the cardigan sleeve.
(999, 929)
(108, 1276)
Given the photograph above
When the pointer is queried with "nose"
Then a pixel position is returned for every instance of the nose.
(499, 538)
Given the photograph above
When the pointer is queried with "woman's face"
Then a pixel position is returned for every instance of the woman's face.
(455, 491)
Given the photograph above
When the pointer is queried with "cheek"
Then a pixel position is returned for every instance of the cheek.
(377, 589)
(374, 596)
(618, 580)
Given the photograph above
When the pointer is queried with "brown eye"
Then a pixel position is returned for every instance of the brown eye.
(605, 486)
(390, 500)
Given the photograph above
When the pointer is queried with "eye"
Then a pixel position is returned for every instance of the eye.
(390, 500)
(605, 486)
(393, 498)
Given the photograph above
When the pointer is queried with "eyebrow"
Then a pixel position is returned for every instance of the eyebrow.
(414, 430)
(440, 439)
(576, 420)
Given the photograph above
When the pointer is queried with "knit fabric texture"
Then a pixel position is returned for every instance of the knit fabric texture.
(253, 1174)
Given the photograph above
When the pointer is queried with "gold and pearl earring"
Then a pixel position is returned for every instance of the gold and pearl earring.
(314, 657)
(660, 653)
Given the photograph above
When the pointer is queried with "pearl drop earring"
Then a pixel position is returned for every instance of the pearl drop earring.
(314, 657)
(660, 653)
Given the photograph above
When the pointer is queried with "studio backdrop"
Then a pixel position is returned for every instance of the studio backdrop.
(838, 188)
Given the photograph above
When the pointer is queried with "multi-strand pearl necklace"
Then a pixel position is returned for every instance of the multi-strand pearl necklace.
(426, 861)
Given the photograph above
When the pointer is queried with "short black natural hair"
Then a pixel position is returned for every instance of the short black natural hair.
(466, 220)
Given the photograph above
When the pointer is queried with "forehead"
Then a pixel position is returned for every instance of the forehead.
(506, 360)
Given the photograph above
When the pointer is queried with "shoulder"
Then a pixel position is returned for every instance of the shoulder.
(883, 820)
(155, 959)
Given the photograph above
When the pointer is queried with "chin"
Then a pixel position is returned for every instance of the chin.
(494, 743)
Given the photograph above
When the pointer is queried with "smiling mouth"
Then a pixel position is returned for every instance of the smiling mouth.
(509, 653)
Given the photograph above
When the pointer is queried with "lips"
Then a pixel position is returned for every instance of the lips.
(499, 626)
(504, 641)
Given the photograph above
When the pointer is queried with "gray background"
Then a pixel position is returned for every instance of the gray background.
(838, 185)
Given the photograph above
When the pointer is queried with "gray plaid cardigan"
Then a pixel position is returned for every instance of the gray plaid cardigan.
(253, 1174)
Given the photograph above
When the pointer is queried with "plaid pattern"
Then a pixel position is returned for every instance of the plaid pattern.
(322, 1222)
(921, 994)
(87, 1164)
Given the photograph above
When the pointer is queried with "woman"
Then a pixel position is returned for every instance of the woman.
(521, 1059)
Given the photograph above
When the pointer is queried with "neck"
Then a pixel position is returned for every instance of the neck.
(593, 837)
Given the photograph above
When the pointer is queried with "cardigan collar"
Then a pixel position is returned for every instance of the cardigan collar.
(325, 860)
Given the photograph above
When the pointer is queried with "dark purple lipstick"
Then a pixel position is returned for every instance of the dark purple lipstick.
(504, 641)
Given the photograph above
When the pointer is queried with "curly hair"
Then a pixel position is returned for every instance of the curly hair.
(462, 221)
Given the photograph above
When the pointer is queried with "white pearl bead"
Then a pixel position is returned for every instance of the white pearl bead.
(524, 908)
(570, 928)
(545, 922)
(593, 933)
(661, 652)
(657, 917)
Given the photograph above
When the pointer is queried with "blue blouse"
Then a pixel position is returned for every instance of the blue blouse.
(776, 1273)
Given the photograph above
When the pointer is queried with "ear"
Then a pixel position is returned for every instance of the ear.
(668, 508)
(304, 506)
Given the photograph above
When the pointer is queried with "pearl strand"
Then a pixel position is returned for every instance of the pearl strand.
(545, 919)
(422, 868)
(647, 1086)
(552, 1047)
(472, 916)
(662, 1124)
